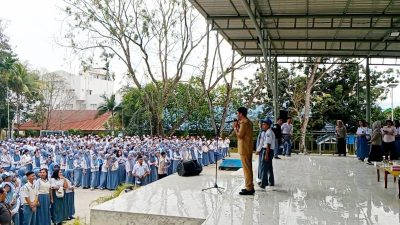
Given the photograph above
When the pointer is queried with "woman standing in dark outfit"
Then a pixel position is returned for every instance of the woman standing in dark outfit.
(376, 144)
(341, 134)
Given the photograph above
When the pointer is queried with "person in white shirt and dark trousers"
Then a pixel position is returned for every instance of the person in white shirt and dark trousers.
(265, 149)
(389, 133)
(287, 135)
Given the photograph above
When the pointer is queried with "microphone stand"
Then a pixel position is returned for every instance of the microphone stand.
(219, 189)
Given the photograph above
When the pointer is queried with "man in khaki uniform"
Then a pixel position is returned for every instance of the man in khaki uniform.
(244, 132)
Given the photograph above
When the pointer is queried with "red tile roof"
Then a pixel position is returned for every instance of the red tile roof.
(84, 120)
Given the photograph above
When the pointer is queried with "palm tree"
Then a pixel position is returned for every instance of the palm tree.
(109, 105)
(22, 83)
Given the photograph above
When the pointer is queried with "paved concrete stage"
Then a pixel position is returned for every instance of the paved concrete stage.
(309, 190)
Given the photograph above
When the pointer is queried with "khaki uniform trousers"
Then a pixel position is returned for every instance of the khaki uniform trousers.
(247, 170)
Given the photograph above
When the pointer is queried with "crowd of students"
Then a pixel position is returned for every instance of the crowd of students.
(36, 199)
(379, 142)
(376, 143)
(39, 175)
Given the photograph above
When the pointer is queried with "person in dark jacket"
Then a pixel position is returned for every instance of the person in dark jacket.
(341, 134)
(278, 136)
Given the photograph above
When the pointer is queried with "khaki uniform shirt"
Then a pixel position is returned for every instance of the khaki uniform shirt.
(245, 137)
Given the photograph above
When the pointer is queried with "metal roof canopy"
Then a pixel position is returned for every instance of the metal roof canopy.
(331, 28)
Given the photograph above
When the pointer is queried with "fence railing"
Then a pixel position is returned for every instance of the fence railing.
(323, 143)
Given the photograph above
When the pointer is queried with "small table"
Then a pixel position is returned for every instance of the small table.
(395, 174)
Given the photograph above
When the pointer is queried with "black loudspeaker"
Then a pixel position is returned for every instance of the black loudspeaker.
(283, 114)
(189, 168)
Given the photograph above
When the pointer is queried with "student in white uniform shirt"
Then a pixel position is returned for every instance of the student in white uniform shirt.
(29, 196)
(287, 135)
(43, 216)
(69, 200)
(6, 160)
(26, 161)
(58, 185)
(266, 150)
(226, 143)
(140, 171)
(389, 133)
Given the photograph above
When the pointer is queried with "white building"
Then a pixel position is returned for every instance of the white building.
(83, 91)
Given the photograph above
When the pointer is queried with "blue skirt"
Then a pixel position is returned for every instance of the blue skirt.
(86, 178)
(153, 174)
(57, 209)
(103, 180)
(69, 205)
(170, 169)
(200, 160)
(16, 219)
(397, 147)
(129, 178)
(95, 176)
(112, 179)
(43, 216)
(362, 148)
(211, 155)
(69, 174)
(205, 159)
(77, 177)
(29, 167)
(218, 154)
(175, 165)
(121, 174)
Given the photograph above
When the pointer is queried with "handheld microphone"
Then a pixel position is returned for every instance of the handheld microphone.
(231, 121)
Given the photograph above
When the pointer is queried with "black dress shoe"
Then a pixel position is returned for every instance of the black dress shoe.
(277, 157)
(246, 192)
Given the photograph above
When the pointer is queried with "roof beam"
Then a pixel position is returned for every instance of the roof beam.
(302, 28)
(316, 40)
(319, 49)
(303, 16)
(257, 27)
(326, 54)
(202, 10)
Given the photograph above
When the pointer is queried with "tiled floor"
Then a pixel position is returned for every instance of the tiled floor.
(309, 190)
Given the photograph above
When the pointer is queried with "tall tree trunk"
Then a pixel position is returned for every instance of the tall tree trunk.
(305, 119)
(18, 114)
(112, 123)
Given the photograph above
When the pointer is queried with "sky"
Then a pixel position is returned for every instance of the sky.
(35, 28)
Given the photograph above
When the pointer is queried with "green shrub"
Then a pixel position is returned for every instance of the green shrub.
(115, 194)
(32, 133)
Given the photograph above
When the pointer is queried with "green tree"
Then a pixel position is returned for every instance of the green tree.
(254, 92)
(25, 87)
(109, 105)
(336, 96)
(185, 109)
(7, 59)
(159, 37)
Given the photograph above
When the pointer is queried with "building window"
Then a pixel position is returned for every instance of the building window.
(93, 106)
(90, 92)
(83, 106)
